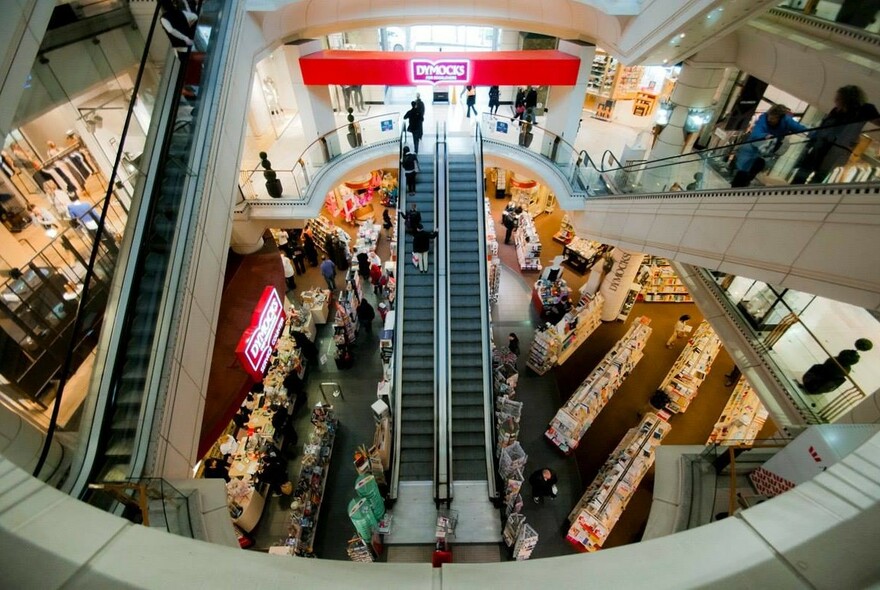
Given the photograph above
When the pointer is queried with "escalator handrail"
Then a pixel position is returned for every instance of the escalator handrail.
(486, 349)
(699, 155)
(79, 318)
(443, 475)
(396, 389)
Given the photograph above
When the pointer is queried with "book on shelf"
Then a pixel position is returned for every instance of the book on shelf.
(573, 420)
(683, 380)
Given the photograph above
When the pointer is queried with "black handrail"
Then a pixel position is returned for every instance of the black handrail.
(443, 475)
(398, 319)
(90, 269)
(702, 154)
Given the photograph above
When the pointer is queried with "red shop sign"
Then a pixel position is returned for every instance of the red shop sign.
(259, 339)
(541, 67)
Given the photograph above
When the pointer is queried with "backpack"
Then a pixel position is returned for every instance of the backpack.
(411, 162)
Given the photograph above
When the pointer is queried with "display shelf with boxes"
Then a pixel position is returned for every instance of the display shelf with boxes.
(742, 417)
(308, 492)
(577, 325)
(566, 231)
(575, 417)
(317, 303)
(544, 350)
(661, 284)
(605, 499)
(367, 236)
(602, 73)
(301, 320)
(581, 254)
(683, 381)
(528, 244)
(547, 294)
(644, 103)
(626, 86)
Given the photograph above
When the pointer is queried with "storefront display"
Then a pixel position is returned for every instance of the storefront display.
(605, 499)
(571, 422)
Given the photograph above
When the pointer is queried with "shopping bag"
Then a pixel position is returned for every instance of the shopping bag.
(415, 259)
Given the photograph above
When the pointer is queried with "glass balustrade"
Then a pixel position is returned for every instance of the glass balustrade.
(293, 182)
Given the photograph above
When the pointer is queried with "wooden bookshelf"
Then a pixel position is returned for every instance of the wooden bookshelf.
(662, 285)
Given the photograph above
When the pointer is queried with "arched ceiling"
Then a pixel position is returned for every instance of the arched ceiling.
(634, 31)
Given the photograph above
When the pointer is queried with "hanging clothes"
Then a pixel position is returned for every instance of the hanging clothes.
(60, 178)
(71, 172)
(81, 164)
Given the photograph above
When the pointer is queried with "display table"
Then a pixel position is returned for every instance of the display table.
(546, 294)
(317, 302)
(301, 320)
(581, 254)
(308, 494)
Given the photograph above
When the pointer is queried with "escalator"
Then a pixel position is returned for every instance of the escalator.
(149, 274)
(416, 303)
(467, 288)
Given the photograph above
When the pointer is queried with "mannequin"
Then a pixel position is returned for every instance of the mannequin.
(52, 149)
(271, 92)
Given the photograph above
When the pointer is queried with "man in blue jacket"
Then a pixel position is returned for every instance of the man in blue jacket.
(775, 124)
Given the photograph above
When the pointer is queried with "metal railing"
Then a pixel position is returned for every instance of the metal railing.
(485, 327)
(443, 475)
(294, 183)
(396, 393)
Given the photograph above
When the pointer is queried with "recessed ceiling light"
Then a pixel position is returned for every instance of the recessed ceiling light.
(665, 60)
(682, 35)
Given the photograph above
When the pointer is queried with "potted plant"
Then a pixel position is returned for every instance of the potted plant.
(827, 376)
(354, 134)
(273, 184)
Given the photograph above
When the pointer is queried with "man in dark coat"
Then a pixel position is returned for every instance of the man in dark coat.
(543, 484)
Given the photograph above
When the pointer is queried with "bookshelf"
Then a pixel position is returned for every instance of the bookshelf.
(602, 73)
(578, 324)
(629, 79)
(544, 350)
(566, 231)
(683, 381)
(644, 103)
(528, 244)
(742, 417)
(576, 416)
(662, 285)
(492, 258)
(599, 509)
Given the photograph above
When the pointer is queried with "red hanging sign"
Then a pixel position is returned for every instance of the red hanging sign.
(259, 339)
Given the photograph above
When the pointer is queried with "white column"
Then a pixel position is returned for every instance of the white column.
(258, 112)
(316, 111)
(694, 89)
(565, 103)
(281, 73)
(247, 236)
(508, 41)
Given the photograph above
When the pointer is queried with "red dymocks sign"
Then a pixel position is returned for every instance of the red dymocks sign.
(259, 339)
(425, 71)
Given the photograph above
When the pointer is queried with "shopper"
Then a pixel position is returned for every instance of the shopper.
(289, 277)
(386, 223)
(519, 103)
(376, 276)
(179, 24)
(42, 216)
(363, 260)
(366, 314)
(328, 271)
(513, 343)
(410, 167)
(531, 101)
(216, 469)
(773, 126)
(509, 220)
(420, 105)
(832, 145)
(471, 99)
(421, 243)
(681, 330)
(414, 116)
(310, 250)
(299, 256)
(543, 484)
(412, 218)
(494, 99)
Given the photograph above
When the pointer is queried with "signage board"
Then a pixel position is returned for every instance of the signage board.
(426, 71)
(256, 344)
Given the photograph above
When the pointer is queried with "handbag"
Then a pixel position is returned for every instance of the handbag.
(416, 167)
